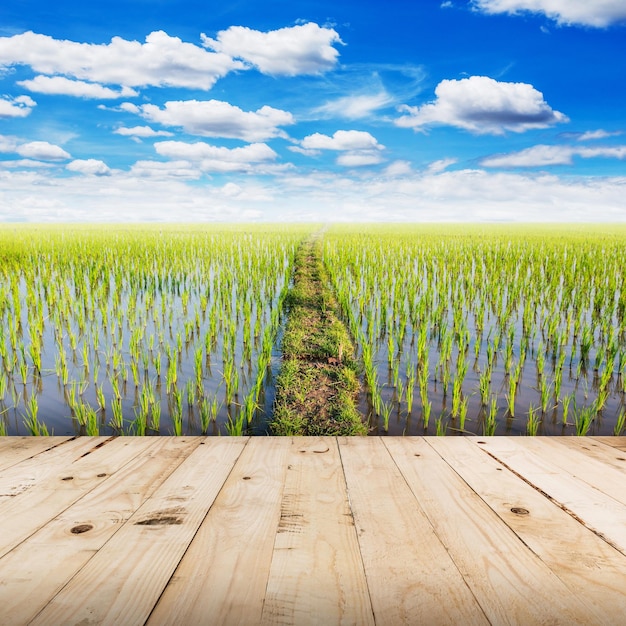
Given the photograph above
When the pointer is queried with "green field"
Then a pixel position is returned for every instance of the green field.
(169, 330)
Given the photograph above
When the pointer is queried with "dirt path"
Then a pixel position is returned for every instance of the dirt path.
(317, 386)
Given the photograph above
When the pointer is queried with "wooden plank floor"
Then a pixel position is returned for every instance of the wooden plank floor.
(415, 530)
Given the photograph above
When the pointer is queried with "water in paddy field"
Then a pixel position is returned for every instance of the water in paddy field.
(493, 335)
(185, 347)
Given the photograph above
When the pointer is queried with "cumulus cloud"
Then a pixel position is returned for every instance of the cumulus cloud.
(483, 105)
(43, 151)
(59, 85)
(89, 167)
(342, 140)
(599, 13)
(542, 155)
(217, 159)
(160, 61)
(359, 147)
(16, 107)
(214, 118)
(355, 107)
(142, 131)
(302, 49)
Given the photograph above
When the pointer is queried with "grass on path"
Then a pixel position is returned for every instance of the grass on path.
(317, 387)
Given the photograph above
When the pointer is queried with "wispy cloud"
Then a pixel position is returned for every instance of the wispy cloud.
(59, 85)
(542, 155)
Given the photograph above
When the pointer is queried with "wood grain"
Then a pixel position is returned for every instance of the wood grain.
(123, 581)
(409, 571)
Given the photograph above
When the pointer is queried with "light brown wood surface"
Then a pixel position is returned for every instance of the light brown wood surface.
(416, 530)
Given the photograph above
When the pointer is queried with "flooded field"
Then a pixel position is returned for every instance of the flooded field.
(149, 330)
(486, 330)
(140, 330)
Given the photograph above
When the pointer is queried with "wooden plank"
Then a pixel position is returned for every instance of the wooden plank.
(223, 575)
(594, 571)
(500, 570)
(14, 450)
(409, 572)
(597, 450)
(38, 465)
(123, 581)
(55, 484)
(317, 575)
(580, 465)
(614, 442)
(39, 567)
(598, 511)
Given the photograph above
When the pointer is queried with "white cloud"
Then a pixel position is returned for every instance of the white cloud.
(214, 118)
(341, 140)
(483, 105)
(160, 61)
(359, 158)
(359, 147)
(302, 49)
(598, 13)
(398, 168)
(163, 171)
(440, 165)
(142, 131)
(543, 155)
(59, 85)
(355, 107)
(217, 159)
(89, 167)
(597, 134)
(8, 144)
(43, 151)
(161, 192)
(16, 107)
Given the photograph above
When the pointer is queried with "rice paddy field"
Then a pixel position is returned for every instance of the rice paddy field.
(158, 329)
(140, 330)
(486, 330)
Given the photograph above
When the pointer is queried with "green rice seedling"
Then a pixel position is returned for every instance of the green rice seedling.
(456, 397)
(583, 419)
(440, 426)
(533, 422)
(177, 412)
(426, 409)
(4, 382)
(491, 423)
(205, 415)
(566, 402)
(140, 423)
(484, 386)
(463, 413)
(191, 393)
(117, 420)
(155, 415)
(100, 398)
(545, 394)
(91, 422)
(620, 423)
(385, 412)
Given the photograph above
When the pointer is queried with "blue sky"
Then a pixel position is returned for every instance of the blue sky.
(478, 110)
